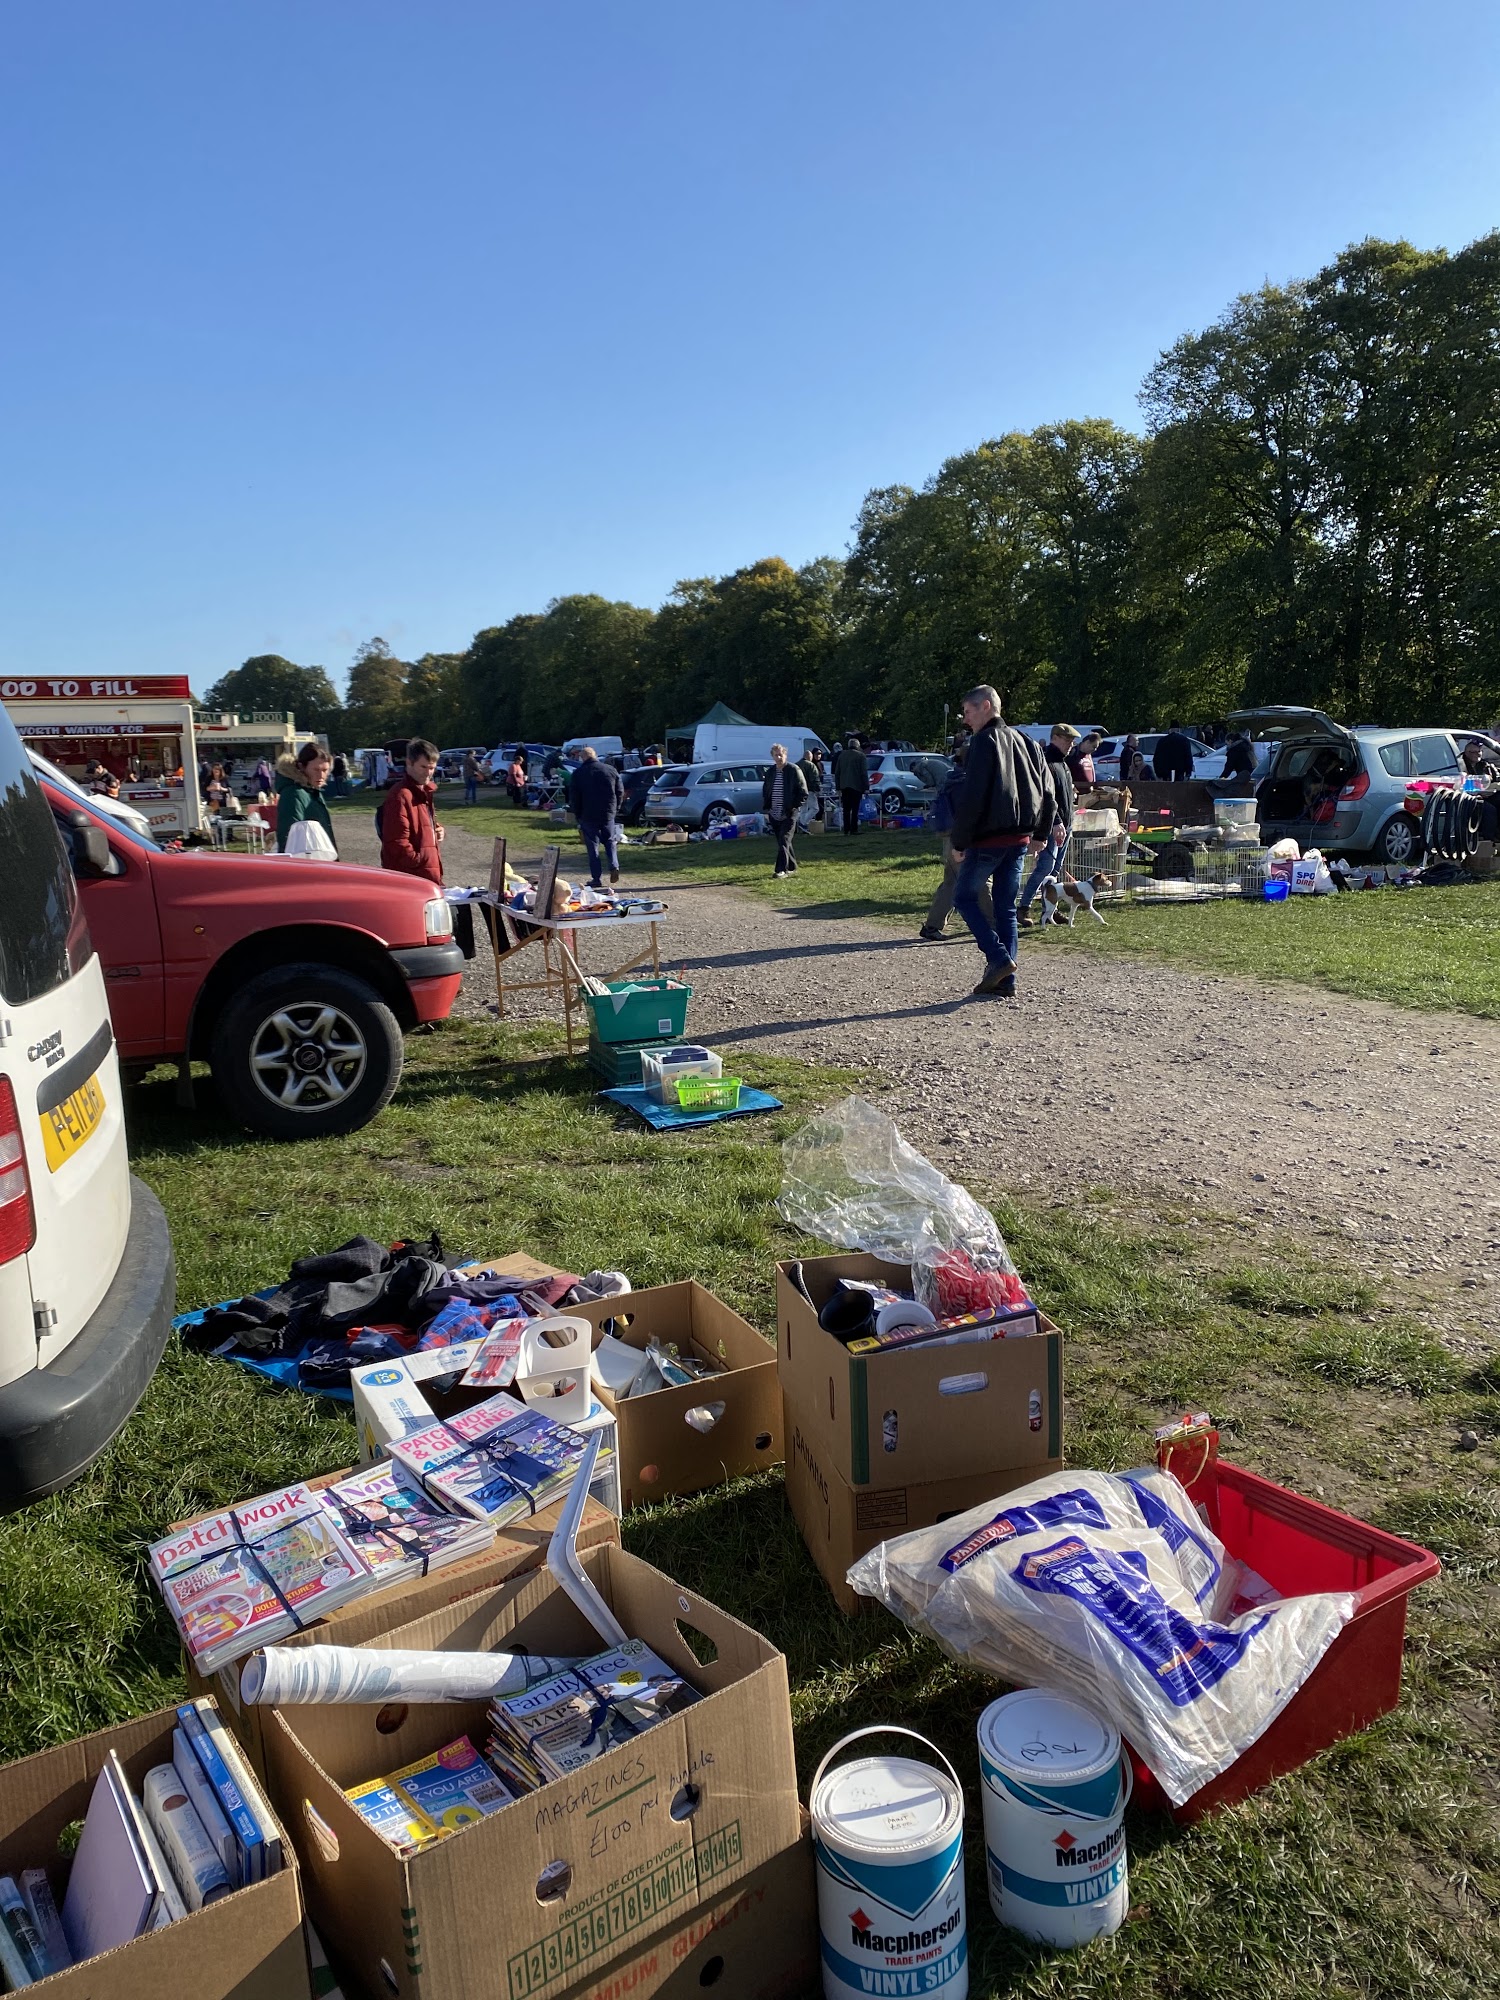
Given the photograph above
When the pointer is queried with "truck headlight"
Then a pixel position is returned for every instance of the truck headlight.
(439, 918)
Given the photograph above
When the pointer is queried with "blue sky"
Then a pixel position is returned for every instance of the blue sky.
(326, 319)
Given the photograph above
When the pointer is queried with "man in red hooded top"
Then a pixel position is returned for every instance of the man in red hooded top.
(410, 837)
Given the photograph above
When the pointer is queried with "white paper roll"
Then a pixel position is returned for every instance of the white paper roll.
(283, 1675)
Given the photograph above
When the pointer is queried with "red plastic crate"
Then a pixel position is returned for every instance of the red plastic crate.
(1300, 1546)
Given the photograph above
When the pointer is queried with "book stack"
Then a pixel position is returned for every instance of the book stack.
(497, 1461)
(557, 1727)
(434, 1796)
(398, 1531)
(250, 1574)
(200, 1830)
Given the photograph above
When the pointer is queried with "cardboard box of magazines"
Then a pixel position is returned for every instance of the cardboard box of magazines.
(246, 1946)
(534, 1900)
(518, 1547)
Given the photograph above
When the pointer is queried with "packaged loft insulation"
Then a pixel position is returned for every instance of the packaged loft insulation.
(1110, 1588)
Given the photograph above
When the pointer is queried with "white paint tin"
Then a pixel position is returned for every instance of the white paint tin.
(888, 1833)
(1055, 1788)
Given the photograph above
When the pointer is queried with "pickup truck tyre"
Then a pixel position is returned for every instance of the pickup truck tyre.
(306, 1052)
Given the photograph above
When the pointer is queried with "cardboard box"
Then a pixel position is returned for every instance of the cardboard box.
(757, 1941)
(659, 1451)
(914, 1414)
(516, 1549)
(840, 1524)
(651, 1834)
(248, 1946)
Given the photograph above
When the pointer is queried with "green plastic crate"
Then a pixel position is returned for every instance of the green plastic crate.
(659, 1013)
(618, 1064)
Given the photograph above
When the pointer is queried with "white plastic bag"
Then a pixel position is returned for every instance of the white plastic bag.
(306, 839)
(850, 1178)
(1110, 1588)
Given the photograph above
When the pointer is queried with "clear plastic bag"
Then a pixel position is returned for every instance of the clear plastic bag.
(849, 1178)
(1110, 1588)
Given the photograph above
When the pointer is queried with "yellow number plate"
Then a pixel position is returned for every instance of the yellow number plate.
(67, 1127)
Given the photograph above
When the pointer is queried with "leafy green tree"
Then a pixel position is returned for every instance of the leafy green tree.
(375, 697)
(268, 682)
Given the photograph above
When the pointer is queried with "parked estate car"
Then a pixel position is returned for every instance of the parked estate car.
(1344, 790)
(295, 980)
(1207, 762)
(87, 1284)
(903, 780)
(638, 785)
(704, 795)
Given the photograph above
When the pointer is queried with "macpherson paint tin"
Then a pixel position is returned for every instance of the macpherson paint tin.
(888, 1833)
(1054, 1788)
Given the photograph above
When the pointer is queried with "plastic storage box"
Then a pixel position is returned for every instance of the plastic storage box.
(639, 1010)
(662, 1070)
(1234, 812)
(1300, 1546)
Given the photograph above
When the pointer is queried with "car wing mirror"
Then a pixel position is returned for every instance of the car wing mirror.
(89, 844)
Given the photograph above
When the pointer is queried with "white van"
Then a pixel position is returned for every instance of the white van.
(87, 1283)
(603, 747)
(713, 742)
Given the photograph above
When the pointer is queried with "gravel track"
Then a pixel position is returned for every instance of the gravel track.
(1279, 1105)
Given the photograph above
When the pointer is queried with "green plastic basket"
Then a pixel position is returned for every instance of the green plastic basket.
(657, 1012)
(709, 1093)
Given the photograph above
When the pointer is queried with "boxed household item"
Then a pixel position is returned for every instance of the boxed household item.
(756, 1941)
(243, 1945)
(532, 1899)
(397, 1398)
(519, 1548)
(839, 1525)
(905, 1416)
(633, 1010)
(679, 1440)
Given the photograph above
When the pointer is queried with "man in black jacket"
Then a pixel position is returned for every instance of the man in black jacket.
(596, 795)
(1173, 761)
(1055, 841)
(1006, 801)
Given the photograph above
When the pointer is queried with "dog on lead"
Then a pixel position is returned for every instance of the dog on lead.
(1063, 900)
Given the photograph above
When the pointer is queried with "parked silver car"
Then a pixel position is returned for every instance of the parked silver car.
(902, 780)
(1344, 790)
(704, 795)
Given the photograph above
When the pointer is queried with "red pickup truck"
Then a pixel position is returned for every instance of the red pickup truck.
(295, 980)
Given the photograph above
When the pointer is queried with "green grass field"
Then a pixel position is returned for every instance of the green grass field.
(1428, 948)
(1375, 1872)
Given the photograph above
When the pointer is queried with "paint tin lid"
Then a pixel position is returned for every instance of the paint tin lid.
(886, 1805)
(1047, 1736)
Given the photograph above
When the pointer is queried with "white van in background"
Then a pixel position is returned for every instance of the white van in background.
(715, 742)
(87, 1283)
(603, 747)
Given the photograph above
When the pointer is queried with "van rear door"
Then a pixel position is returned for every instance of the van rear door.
(62, 1132)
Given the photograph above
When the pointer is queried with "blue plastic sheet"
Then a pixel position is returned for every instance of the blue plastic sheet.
(672, 1117)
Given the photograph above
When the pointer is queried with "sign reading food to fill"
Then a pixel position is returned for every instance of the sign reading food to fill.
(139, 687)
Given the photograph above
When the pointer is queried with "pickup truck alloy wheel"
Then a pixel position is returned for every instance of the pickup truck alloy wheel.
(307, 1051)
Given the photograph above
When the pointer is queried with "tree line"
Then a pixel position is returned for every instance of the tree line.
(1310, 513)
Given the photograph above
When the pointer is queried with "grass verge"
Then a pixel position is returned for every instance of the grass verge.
(1434, 949)
(1376, 1871)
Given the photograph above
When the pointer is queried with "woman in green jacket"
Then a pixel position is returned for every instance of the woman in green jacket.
(299, 792)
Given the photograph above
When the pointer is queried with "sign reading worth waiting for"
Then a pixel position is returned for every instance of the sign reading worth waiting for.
(140, 687)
